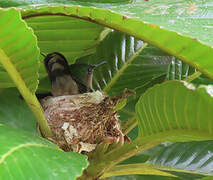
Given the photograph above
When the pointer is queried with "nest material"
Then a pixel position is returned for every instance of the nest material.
(80, 122)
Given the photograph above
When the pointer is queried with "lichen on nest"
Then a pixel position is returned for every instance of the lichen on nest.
(80, 122)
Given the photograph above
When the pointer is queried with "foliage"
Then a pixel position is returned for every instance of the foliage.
(162, 50)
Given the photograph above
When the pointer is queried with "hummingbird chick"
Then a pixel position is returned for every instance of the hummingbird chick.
(59, 74)
(83, 74)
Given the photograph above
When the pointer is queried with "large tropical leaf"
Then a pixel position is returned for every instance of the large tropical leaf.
(178, 160)
(165, 111)
(187, 161)
(188, 157)
(70, 36)
(25, 156)
(18, 52)
(159, 23)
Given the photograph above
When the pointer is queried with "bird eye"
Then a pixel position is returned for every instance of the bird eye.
(90, 70)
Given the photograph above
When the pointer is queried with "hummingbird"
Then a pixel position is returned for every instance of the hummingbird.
(82, 74)
(59, 74)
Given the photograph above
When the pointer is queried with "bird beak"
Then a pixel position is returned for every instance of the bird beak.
(96, 65)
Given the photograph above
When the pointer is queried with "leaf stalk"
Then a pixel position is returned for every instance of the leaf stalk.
(28, 96)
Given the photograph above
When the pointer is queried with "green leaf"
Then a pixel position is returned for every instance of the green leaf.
(15, 112)
(159, 23)
(188, 157)
(167, 111)
(29, 157)
(70, 36)
(18, 52)
(190, 161)
(130, 64)
(144, 156)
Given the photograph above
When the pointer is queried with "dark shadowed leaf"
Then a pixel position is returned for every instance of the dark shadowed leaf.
(15, 112)
(185, 158)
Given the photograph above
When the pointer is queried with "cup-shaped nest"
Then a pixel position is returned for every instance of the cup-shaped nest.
(80, 122)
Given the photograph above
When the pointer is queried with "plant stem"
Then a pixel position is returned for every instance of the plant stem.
(99, 165)
(29, 97)
(192, 77)
(130, 149)
(139, 168)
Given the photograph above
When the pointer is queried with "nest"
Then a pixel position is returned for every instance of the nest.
(80, 122)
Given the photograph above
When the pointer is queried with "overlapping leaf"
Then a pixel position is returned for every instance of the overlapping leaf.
(18, 45)
(186, 161)
(188, 157)
(70, 36)
(177, 109)
(165, 24)
(25, 156)
(130, 64)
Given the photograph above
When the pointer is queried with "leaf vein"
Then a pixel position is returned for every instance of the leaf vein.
(2, 159)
